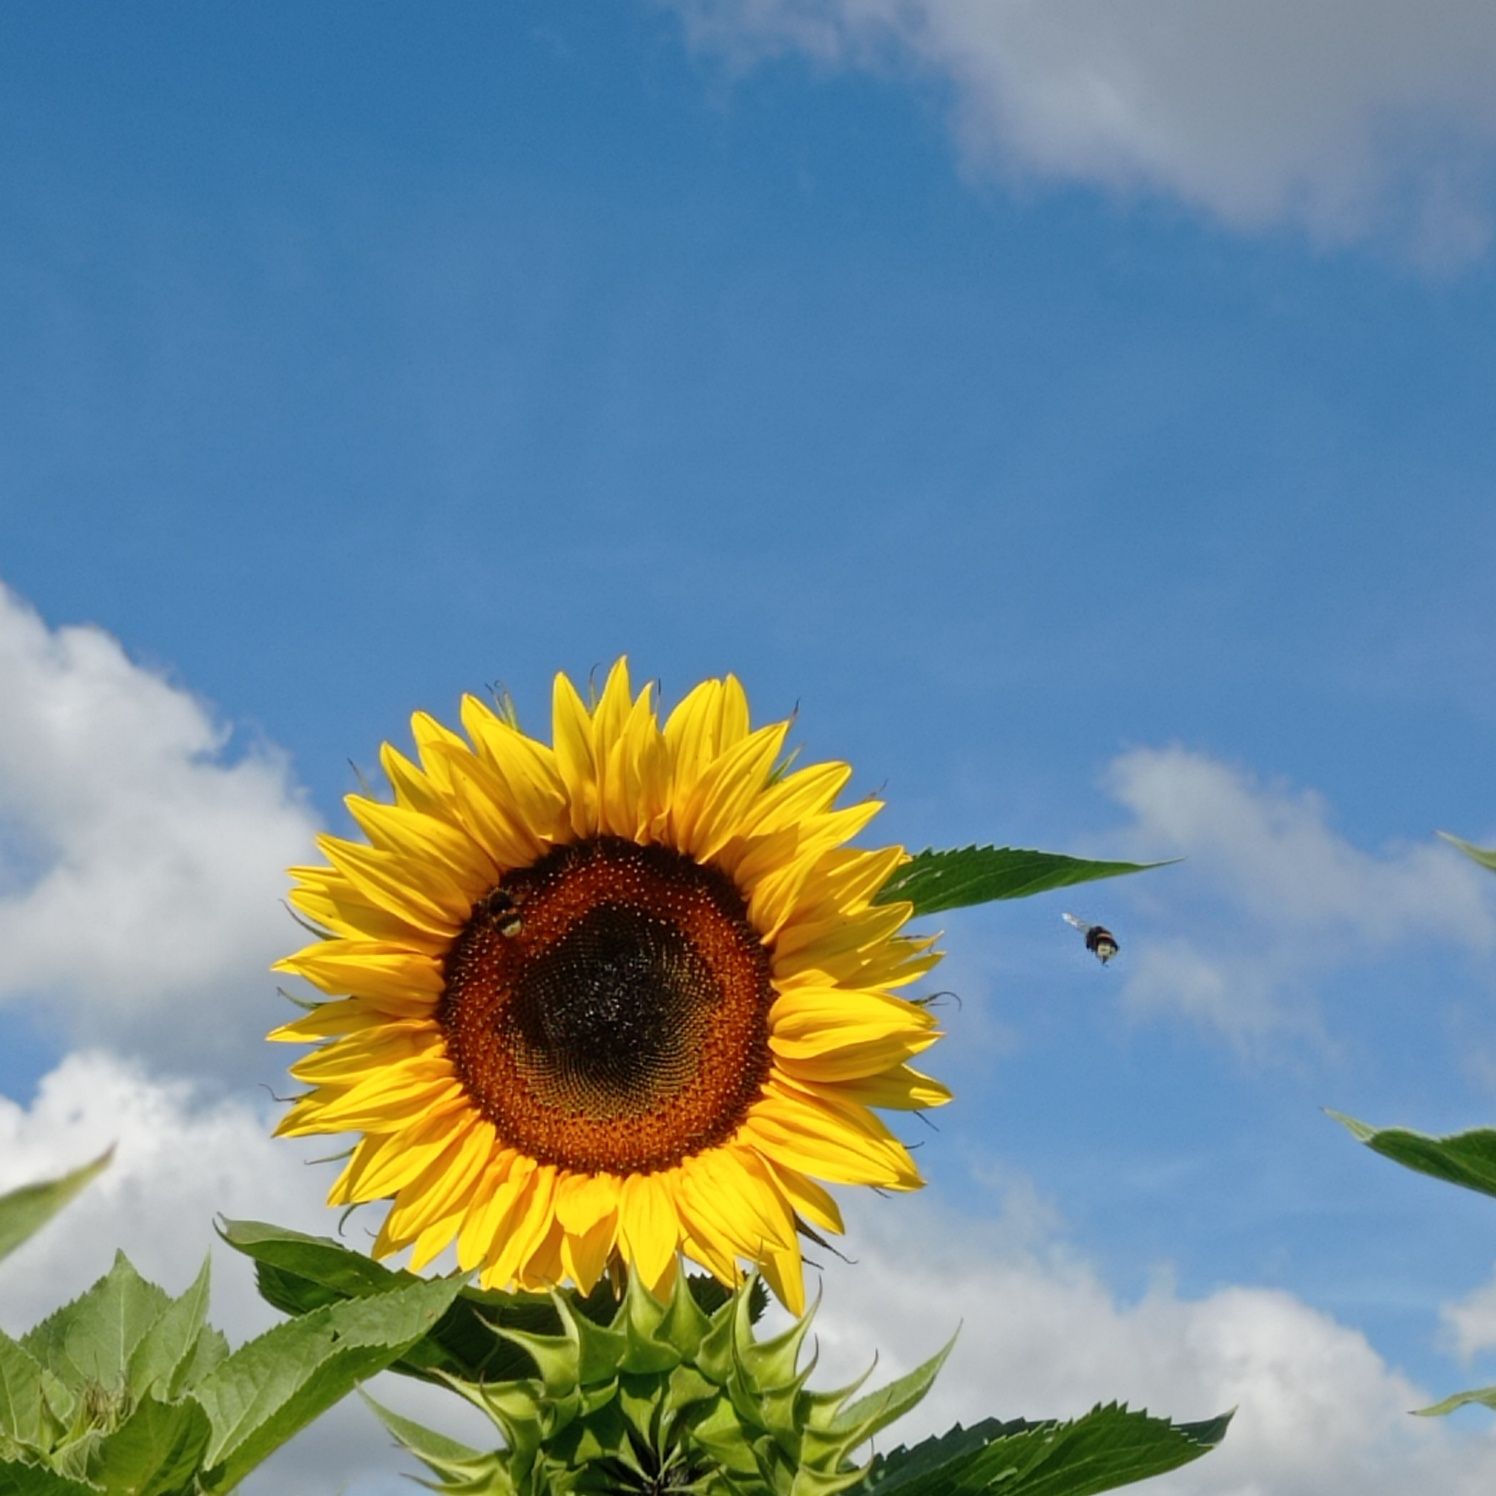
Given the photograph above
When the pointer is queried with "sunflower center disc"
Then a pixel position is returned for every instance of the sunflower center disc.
(608, 1009)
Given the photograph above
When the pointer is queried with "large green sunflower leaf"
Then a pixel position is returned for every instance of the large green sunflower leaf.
(934, 880)
(154, 1452)
(900, 1467)
(26, 1210)
(272, 1387)
(91, 1340)
(1464, 1158)
(18, 1478)
(1109, 1447)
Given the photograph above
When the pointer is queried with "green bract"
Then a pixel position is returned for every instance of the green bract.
(664, 1398)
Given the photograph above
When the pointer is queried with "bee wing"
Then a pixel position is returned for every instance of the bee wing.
(1080, 924)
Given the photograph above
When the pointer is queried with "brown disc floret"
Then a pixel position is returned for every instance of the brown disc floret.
(607, 1007)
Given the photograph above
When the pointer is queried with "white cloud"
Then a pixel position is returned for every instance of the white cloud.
(141, 866)
(1273, 849)
(1282, 895)
(1347, 119)
(1470, 1323)
(1318, 1411)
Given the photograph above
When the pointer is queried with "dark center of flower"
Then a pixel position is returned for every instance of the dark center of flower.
(607, 1007)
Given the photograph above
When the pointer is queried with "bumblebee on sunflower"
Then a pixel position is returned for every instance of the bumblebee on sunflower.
(610, 1001)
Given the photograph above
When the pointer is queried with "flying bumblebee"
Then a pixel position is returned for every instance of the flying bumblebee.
(1099, 940)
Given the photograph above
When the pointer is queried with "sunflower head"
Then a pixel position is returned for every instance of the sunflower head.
(612, 1000)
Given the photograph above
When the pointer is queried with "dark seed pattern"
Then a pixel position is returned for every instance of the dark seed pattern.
(620, 1023)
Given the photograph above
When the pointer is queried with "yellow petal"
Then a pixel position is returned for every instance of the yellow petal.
(807, 1133)
(523, 1230)
(431, 902)
(572, 729)
(371, 969)
(808, 1020)
(903, 1089)
(726, 789)
(582, 1200)
(422, 840)
(807, 1198)
(411, 787)
(330, 901)
(798, 797)
(852, 1061)
(588, 1239)
(433, 1241)
(442, 1188)
(396, 1158)
(648, 1227)
(612, 711)
(532, 783)
(379, 1103)
(488, 811)
(330, 1020)
(375, 1049)
(784, 1273)
(504, 1187)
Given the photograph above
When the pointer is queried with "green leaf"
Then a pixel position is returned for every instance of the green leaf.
(899, 1469)
(17, 1478)
(28, 1209)
(1486, 1396)
(62, 1401)
(1484, 856)
(92, 1339)
(154, 1452)
(1109, 1447)
(316, 1270)
(23, 1406)
(934, 880)
(271, 1388)
(1464, 1158)
(167, 1354)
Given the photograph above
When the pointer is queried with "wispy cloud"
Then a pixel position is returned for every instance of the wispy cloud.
(1346, 120)
(1470, 1322)
(1278, 895)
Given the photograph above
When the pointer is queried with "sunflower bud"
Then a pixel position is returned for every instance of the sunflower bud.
(666, 1397)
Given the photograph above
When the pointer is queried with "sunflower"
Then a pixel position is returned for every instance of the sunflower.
(612, 1001)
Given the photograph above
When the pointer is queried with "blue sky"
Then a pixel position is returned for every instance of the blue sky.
(1107, 476)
